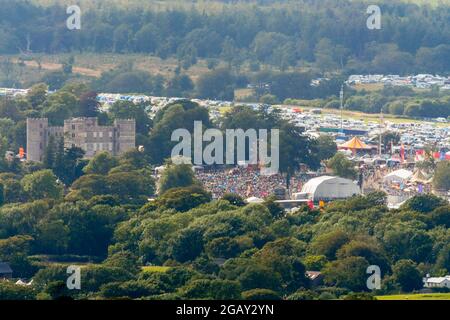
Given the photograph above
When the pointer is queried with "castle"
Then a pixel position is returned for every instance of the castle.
(84, 133)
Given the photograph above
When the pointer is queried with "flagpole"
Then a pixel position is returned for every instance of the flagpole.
(342, 107)
(381, 133)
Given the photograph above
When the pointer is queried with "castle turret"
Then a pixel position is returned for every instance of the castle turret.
(36, 138)
(125, 135)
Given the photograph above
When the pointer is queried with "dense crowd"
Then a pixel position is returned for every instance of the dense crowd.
(247, 182)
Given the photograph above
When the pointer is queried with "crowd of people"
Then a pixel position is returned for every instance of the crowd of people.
(246, 182)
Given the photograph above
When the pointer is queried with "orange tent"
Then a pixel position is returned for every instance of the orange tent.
(354, 144)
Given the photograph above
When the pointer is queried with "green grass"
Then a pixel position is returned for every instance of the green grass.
(158, 269)
(422, 296)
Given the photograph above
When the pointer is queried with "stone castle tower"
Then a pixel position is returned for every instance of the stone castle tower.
(84, 133)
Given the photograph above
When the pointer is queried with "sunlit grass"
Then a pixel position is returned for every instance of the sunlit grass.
(423, 296)
(158, 269)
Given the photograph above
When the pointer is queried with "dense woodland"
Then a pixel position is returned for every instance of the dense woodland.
(331, 34)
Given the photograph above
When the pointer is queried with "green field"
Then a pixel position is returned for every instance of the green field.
(423, 296)
(158, 269)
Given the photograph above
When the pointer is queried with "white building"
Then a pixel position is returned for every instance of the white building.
(436, 282)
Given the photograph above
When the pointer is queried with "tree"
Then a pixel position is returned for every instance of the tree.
(275, 209)
(329, 243)
(443, 259)
(315, 263)
(440, 216)
(441, 180)
(326, 147)
(37, 95)
(407, 275)
(42, 184)
(130, 110)
(217, 84)
(60, 106)
(366, 248)
(53, 236)
(125, 260)
(11, 291)
(184, 199)
(177, 176)
(2, 194)
(49, 155)
(188, 245)
(15, 250)
(424, 203)
(234, 199)
(347, 273)
(89, 105)
(211, 289)
(223, 247)
(341, 166)
(261, 294)
(68, 163)
(100, 164)
(181, 114)
(180, 86)
(260, 277)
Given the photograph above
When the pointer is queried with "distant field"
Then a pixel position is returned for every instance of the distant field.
(424, 296)
(92, 65)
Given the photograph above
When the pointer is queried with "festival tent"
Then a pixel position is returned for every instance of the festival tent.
(254, 200)
(419, 177)
(354, 145)
(329, 188)
(401, 175)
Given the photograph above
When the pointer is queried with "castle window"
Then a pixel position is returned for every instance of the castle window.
(73, 127)
(73, 135)
(100, 134)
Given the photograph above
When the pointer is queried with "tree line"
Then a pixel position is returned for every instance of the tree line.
(329, 36)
